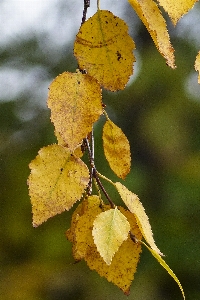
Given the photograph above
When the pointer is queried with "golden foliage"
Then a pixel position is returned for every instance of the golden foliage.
(177, 8)
(75, 103)
(104, 48)
(124, 263)
(135, 206)
(197, 65)
(117, 149)
(56, 182)
(110, 230)
(152, 18)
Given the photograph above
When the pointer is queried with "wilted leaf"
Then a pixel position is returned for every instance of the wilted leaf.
(197, 65)
(110, 230)
(104, 48)
(177, 8)
(152, 18)
(75, 103)
(135, 206)
(116, 149)
(163, 263)
(124, 263)
(56, 182)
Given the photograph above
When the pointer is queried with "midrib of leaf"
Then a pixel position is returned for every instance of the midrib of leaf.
(105, 44)
(56, 183)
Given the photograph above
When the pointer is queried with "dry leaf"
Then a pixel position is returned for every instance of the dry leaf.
(177, 8)
(56, 182)
(110, 230)
(116, 149)
(104, 48)
(75, 103)
(152, 18)
(135, 206)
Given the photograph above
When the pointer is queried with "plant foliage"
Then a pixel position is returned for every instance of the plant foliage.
(107, 237)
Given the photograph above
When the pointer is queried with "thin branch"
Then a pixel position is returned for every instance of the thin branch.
(86, 5)
(95, 174)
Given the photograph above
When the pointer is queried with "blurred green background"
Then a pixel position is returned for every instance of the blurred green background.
(159, 111)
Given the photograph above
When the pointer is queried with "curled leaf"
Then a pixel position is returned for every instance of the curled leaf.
(104, 48)
(75, 103)
(57, 180)
(110, 230)
(152, 18)
(135, 206)
(116, 149)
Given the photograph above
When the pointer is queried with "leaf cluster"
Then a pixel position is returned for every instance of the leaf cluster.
(107, 237)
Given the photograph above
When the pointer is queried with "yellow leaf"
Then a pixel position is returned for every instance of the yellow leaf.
(152, 18)
(163, 263)
(75, 103)
(104, 48)
(123, 266)
(56, 182)
(197, 65)
(135, 206)
(110, 230)
(88, 211)
(177, 8)
(116, 149)
(77, 152)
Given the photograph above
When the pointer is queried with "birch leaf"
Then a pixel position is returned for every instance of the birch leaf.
(75, 103)
(110, 230)
(124, 264)
(135, 206)
(104, 48)
(116, 149)
(152, 18)
(166, 267)
(57, 180)
(197, 65)
(176, 9)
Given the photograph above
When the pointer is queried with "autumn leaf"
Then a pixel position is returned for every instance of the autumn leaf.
(164, 265)
(116, 149)
(110, 230)
(104, 48)
(135, 206)
(152, 18)
(57, 180)
(176, 9)
(123, 266)
(77, 151)
(197, 65)
(75, 103)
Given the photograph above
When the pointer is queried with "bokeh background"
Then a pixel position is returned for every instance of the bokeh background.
(159, 111)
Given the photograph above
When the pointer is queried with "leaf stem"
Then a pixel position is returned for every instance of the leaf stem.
(107, 179)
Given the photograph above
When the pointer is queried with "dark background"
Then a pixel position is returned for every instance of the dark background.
(159, 111)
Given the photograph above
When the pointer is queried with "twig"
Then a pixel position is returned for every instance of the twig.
(86, 5)
(95, 175)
